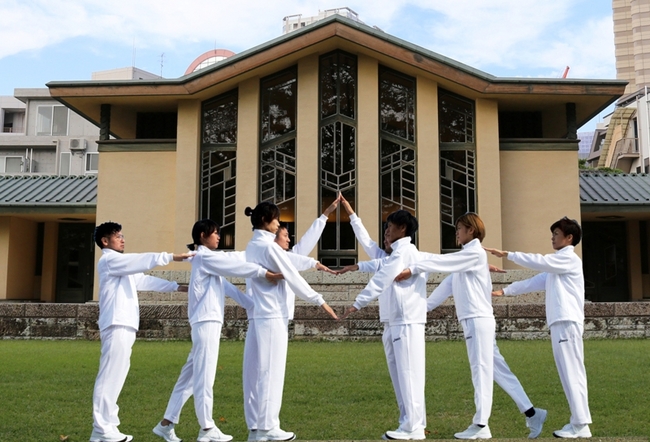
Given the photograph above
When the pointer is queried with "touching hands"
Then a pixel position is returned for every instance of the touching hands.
(496, 252)
(346, 204)
(346, 269)
(329, 311)
(332, 207)
(324, 268)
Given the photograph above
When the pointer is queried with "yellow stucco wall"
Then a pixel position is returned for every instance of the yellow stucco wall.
(537, 189)
(50, 245)
(17, 258)
(488, 176)
(367, 204)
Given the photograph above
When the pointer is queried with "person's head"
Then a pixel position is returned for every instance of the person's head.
(565, 232)
(400, 224)
(205, 233)
(265, 216)
(108, 235)
(282, 237)
(468, 227)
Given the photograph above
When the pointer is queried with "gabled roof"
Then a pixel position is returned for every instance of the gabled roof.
(41, 191)
(609, 189)
(337, 32)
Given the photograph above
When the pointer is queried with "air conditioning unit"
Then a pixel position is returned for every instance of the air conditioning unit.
(77, 144)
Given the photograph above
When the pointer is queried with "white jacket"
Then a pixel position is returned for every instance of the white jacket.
(469, 282)
(120, 278)
(272, 300)
(205, 298)
(406, 300)
(562, 279)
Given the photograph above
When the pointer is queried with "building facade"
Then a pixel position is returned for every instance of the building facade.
(338, 107)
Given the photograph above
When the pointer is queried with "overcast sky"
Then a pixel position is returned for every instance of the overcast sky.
(45, 40)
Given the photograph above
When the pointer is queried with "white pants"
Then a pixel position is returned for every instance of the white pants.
(114, 362)
(265, 359)
(387, 340)
(197, 375)
(568, 351)
(479, 339)
(509, 382)
(249, 378)
(409, 351)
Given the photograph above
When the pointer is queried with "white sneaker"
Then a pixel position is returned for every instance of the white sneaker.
(166, 432)
(573, 431)
(400, 434)
(214, 434)
(110, 437)
(252, 435)
(536, 422)
(474, 432)
(275, 434)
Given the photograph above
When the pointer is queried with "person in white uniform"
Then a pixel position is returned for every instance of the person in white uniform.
(406, 305)
(271, 317)
(471, 286)
(120, 277)
(562, 278)
(206, 301)
(298, 256)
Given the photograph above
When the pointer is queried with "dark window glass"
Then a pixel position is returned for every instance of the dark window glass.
(397, 104)
(457, 192)
(338, 83)
(456, 118)
(220, 120)
(278, 105)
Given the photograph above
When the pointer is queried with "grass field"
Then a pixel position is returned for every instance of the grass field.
(333, 391)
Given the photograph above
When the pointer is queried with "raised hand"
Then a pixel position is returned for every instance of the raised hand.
(346, 204)
(332, 207)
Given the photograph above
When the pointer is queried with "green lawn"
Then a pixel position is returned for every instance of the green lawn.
(333, 391)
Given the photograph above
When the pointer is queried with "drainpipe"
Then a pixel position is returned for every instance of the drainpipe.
(646, 140)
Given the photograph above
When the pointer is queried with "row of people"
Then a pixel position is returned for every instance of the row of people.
(272, 280)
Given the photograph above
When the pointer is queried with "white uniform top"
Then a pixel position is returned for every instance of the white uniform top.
(376, 253)
(120, 278)
(205, 297)
(406, 300)
(562, 279)
(271, 300)
(470, 281)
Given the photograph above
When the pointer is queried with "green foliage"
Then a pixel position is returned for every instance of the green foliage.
(582, 165)
(333, 390)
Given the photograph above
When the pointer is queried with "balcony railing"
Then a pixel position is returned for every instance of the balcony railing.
(626, 148)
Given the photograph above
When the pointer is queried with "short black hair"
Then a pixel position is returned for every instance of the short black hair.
(568, 227)
(105, 230)
(404, 218)
(263, 213)
(205, 226)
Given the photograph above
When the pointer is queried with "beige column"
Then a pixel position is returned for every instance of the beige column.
(5, 232)
(307, 188)
(367, 204)
(634, 260)
(50, 247)
(247, 158)
(428, 165)
(188, 157)
(488, 172)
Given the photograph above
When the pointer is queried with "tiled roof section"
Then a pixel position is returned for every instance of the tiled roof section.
(612, 189)
(48, 191)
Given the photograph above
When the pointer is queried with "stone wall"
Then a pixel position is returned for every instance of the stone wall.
(164, 316)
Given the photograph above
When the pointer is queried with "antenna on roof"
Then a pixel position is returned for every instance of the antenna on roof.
(566, 72)
(162, 56)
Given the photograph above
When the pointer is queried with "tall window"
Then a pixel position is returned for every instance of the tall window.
(397, 178)
(278, 143)
(338, 148)
(219, 164)
(457, 163)
(52, 120)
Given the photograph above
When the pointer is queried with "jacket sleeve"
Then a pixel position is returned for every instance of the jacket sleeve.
(440, 293)
(371, 266)
(296, 282)
(152, 284)
(450, 263)
(300, 262)
(309, 240)
(123, 264)
(551, 263)
(380, 282)
(234, 293)
(369, 246)
(535, 284)
(221, 264)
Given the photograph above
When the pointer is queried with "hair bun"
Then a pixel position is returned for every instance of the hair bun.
(248, 211)
(192, 247)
